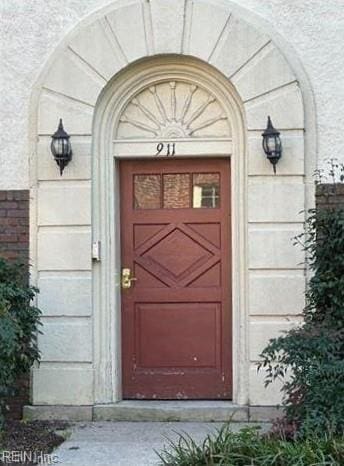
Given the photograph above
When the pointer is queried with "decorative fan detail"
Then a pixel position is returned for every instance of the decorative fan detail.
(171, 110)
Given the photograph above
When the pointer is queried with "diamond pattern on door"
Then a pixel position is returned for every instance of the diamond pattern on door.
(177, 253)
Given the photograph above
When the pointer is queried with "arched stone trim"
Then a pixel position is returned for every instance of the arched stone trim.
(113, 102)
(73, 85)
(208, 30)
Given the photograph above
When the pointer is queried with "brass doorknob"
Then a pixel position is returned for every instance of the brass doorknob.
(127, 278)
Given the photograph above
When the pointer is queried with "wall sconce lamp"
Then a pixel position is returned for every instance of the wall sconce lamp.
(272, 144)
(61, 147)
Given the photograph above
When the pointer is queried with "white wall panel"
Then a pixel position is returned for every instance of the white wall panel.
(266, 71)
(67, 248)
(284, 105)
(240, 43)
(77, 117)
(273, 293)
(168, 39)
(128, 22)
(261, 331)
(63, 385)
(273, 248)
(97, 49)
(66, 340)
(64, 203)
(65, 294)
(70, 75)
(275, 200)
(208, 23)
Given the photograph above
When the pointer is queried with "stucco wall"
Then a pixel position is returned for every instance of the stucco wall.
(31, 30)
(61, 232)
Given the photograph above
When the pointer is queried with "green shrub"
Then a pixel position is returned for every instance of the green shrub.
(250, 448)
(313, 354)
(19, 324)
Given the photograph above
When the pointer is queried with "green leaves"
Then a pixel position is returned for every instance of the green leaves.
(313, 354)
(19, 326)
(250, 448)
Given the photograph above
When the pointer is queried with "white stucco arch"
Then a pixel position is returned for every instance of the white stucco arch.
(92, 73)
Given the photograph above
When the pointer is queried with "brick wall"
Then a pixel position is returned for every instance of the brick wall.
(14, 404)
(330, 195)
(14, 224)
(14, 244)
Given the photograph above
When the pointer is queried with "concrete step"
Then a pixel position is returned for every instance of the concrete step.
(164, 411)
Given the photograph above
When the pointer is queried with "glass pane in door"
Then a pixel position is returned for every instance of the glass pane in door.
(147, 191)
(176, 191)
(206, 190)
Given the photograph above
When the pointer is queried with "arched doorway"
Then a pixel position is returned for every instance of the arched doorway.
(168, 108)
(233, 68)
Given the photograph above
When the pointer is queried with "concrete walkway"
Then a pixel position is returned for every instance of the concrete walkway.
(126, 443)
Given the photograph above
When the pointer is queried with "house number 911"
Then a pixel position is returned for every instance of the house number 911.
(167, 150)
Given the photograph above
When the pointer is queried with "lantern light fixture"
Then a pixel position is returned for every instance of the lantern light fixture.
(61, 147)
(272, 144)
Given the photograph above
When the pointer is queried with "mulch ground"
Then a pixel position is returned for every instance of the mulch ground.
(38, 437)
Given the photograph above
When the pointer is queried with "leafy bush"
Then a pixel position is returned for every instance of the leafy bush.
(250, 448)
(313, 354)
(19, 324)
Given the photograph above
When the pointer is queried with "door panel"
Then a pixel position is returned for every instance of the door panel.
(176, 316)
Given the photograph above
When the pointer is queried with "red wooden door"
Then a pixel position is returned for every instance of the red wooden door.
(176, 316)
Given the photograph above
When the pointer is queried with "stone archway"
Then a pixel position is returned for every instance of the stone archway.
(77, 85)
(120, 131)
